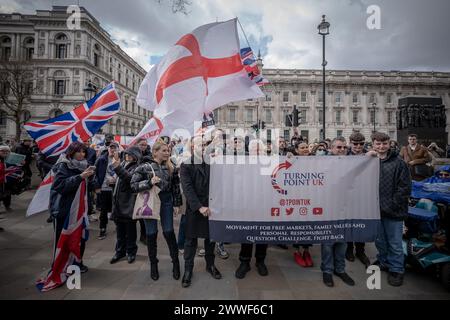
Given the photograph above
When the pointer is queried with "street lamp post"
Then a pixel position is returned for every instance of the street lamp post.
(373, 109)
(89, 91)
(324, 29)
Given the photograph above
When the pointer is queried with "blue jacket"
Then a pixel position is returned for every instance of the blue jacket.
(100, 171)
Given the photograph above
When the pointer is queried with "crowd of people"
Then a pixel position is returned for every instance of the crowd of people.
(181, 171)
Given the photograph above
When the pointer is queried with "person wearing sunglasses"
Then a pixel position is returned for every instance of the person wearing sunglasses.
(357, 142)
(333, 254)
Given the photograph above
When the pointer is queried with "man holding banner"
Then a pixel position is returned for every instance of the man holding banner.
(333, 254)
(395, 188)
(194, 174)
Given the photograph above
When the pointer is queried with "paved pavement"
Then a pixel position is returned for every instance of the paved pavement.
(25, 253)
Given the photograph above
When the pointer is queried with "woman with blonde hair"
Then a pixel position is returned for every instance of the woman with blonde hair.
(167, 179)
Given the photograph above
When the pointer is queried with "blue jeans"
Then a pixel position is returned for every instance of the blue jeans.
(389, 245)
(151, 225)
(182, 232)
(333, 257)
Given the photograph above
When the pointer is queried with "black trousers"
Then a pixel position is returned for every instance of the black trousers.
(126, 237)
(190, 249)
(105, 207)
(358, 245)
(246, 252)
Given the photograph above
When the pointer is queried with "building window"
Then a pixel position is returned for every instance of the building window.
(29, 53)
(268, 97)
(320, 97)
(372, 98)
(321, 116)
(303, 97)
(389, 98)
(2, 118)
(269, 115)
(60, 88)
(133, 107)
(302, 117)
(126, 104)
(286, 96)
(339, 133)
(372, 116)
(55, 113)
(96, 59)
(232, 115)
(390, 117)
(249, 115)
(216, 115)
(355, 116)
(337, 97)
(60, 51)
(355, 98)
(287, 135)
(305, 134)
(5, 88)
(120, 77)
(338, 116)
(5, 48)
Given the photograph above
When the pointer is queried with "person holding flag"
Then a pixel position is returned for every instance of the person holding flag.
(72, 171)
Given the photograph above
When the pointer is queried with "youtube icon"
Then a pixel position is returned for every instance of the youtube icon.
(318, 211)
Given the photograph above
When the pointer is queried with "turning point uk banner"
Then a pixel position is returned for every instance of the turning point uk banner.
(304, 200)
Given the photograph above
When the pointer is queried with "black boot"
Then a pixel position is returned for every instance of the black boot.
(152, 249)
(173, 249)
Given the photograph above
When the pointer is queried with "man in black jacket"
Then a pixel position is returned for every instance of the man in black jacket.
(105, 180)
(194, 176)
(395, 188)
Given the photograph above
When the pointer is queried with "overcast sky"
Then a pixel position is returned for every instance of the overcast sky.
(414, 34)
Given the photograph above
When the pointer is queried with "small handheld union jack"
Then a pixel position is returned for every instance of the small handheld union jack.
(53, 136)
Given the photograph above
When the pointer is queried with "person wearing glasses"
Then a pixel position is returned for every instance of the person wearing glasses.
(357, 141)
(333, 254)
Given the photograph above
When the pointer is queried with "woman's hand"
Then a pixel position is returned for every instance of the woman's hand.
(87, 173)
(155, 180)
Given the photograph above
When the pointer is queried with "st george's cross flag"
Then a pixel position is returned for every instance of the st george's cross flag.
(200, 73)
(54, 136)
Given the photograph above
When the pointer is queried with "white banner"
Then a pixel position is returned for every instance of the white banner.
(305, 199)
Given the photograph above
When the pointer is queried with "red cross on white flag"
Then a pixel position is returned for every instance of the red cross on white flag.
(202, 72)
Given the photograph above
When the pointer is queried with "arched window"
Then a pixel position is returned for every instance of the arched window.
(61, 43)
(5, 46)
(28, 45)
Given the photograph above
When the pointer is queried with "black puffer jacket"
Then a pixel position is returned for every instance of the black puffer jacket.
(123, 197)
(395, 187)
(169, 182)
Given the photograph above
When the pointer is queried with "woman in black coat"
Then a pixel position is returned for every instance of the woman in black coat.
(123, 205)
(194, 176)
(72, 169)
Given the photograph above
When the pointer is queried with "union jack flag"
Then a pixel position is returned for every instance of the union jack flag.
(68, 250)
(53, 136)
(13, 173)
(249, 62)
